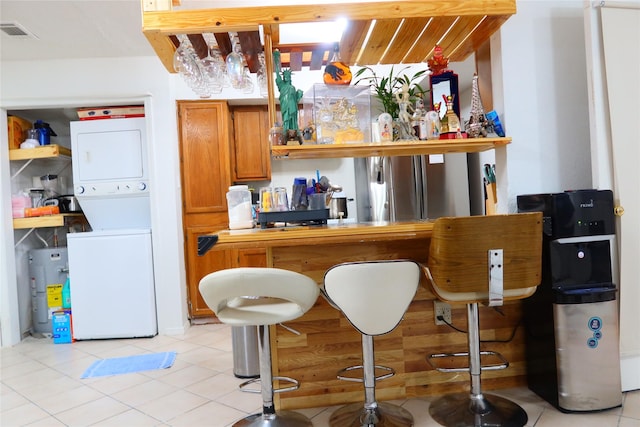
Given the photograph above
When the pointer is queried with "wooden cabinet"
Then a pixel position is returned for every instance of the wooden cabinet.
(250, 154)
(205, 130)
(199, 266)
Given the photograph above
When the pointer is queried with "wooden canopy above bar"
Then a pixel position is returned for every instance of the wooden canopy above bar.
(379, 32)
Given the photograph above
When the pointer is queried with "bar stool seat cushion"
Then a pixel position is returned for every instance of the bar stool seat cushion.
(373, 295)
(259, 296)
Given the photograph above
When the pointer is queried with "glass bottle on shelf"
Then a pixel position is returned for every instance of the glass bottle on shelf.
(336, 72)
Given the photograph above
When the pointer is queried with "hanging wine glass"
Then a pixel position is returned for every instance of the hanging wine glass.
(210, 67)
(235, 67)
(179, 57)
(261, 75)
(221, 69)
(247, 83)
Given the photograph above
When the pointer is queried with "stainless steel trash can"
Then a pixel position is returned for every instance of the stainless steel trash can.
(244, 343)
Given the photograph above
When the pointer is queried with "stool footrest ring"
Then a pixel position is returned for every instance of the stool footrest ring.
(391, 372)
(295, 385)
(504, 363)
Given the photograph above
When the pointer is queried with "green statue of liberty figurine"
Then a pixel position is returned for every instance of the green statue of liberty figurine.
(289, 98)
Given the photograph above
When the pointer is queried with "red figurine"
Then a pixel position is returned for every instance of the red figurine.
(438, 64)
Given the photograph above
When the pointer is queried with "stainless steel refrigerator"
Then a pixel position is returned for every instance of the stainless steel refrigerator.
(411, 187)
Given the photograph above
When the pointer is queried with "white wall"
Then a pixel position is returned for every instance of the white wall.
(545, 99)
(73, 83)
(544, 111)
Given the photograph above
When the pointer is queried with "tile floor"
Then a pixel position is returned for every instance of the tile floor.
(41, 386)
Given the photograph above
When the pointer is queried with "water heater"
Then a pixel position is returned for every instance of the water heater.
(47, 266)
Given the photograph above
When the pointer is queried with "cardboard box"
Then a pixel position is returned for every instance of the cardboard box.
(120, 112)
(17, 130)
(61, 326)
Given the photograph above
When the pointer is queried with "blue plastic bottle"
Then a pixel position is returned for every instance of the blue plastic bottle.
(66, 294)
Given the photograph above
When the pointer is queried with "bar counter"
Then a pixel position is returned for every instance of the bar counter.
(327, 342)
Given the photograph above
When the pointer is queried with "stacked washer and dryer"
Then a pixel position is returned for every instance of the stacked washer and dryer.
(111, 267)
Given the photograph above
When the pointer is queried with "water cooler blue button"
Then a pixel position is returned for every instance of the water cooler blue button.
(592, 342)
(595, 323)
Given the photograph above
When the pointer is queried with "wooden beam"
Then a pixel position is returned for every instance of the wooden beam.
(317, 58)
(406, 36)
(379, 40)
(164, 49)
(457, 34)
(251, 47)
(483, 32)
(295, 60)
(224, 43)
(249, 18)
(268, 62)
(352, 40)
(426, 42)
(199, 45)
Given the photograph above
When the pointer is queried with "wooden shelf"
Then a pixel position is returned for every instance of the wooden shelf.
(43, 221)
(40, 152)
(395, 148)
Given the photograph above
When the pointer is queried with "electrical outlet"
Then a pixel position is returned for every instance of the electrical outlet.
(442, 309)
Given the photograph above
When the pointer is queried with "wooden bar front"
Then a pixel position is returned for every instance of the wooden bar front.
(327, 341)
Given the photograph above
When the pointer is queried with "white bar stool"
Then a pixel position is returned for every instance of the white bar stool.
(261, 297)
(373, 296)
(482, 259)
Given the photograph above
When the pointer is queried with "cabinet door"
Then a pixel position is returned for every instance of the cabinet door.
(204, 129)
(251, 155)
(200, 266)
(249, 257)
(213, 260)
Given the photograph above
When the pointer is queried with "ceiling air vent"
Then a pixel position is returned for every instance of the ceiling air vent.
(15, 30)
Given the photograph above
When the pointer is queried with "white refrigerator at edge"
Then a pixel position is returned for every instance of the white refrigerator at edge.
(112, 285)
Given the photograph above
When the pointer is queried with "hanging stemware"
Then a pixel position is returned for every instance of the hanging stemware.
(235, 67)
(212, 74)
(261, 75)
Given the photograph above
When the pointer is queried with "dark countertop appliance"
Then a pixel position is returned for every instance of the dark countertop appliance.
(571, 322)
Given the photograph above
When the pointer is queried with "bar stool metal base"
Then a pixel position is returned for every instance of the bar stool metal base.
(460, 410)
(281, 419)
(386, 415)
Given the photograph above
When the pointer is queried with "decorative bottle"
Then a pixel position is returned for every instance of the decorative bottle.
(453, 122)
(336, 72)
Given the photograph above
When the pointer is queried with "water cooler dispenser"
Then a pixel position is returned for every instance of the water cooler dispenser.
(47, 266)
(572, 336)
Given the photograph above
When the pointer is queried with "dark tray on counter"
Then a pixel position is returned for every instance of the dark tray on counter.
(308, 217)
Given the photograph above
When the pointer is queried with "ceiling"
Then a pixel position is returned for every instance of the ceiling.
(69, 29)
(74, 29)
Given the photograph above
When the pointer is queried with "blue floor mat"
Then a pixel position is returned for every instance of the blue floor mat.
(130, 364)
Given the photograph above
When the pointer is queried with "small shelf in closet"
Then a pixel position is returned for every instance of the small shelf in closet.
(43, 221)
(40, 152)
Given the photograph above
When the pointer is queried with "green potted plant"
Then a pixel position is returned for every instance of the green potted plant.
(386, 87)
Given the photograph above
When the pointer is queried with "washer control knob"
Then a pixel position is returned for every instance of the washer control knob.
(142, 186)
(80, 189)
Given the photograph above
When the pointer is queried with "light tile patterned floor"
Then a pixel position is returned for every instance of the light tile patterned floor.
(41, 386)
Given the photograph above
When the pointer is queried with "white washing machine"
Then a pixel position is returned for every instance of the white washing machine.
(111, 267)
